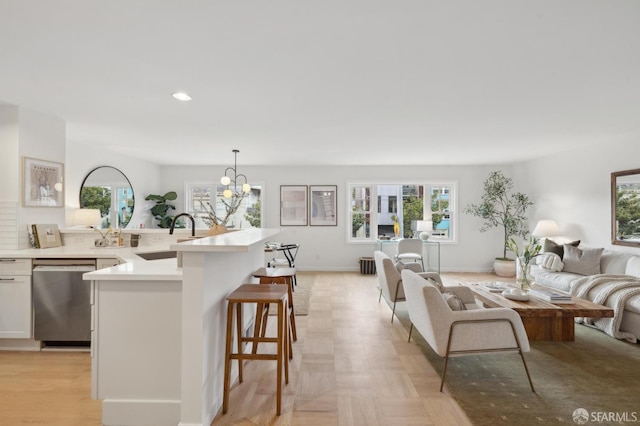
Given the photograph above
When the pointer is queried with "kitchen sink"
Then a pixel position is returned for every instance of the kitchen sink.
(155, 255)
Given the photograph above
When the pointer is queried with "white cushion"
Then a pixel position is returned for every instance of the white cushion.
(558, 280)
(614, 262)
(581, 261)
(407, 256)
(633, 266)
(551, 262)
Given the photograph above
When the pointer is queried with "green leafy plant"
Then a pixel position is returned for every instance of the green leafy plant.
(253, 215)
(412, 208)
(500, 207)
(96, 197)
(358, 219)
(161, 210)
(627, 213)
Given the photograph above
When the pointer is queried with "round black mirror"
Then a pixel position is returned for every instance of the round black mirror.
(109, 190)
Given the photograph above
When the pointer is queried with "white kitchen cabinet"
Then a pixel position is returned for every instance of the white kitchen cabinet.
(136, 351)
(106, 262)
(15, 299)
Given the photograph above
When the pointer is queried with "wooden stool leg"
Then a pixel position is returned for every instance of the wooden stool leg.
(239, 337)
(292, 315)
(227, 358)
(257, 326)
(287, 345)
(265, 316)
(280, 355)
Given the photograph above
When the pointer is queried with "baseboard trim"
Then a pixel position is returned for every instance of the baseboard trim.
(137, 412)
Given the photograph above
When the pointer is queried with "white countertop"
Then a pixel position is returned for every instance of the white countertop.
(239, 240)
(136, 268)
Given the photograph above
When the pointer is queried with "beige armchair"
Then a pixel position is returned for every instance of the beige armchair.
(465, 332)
(390, 281)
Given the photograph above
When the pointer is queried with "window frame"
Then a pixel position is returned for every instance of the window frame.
(428, 185)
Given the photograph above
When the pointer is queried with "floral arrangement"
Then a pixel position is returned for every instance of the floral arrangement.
(231, 205)
(530, 249)
(104, 234)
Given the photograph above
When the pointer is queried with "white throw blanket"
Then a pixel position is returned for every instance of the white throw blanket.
(613, 291)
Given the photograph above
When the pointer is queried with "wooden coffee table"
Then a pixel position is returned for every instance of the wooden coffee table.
(544, 320)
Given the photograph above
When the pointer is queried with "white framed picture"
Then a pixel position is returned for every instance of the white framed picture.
(42, 183)
(323, 205)
(293, 205)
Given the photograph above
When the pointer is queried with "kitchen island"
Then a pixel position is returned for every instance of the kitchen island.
(159, 336)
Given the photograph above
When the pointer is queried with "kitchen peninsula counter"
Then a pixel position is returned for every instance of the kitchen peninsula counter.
(159, 330)
(133, 266)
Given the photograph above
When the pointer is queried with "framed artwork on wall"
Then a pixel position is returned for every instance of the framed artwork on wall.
(293, 205)
(42, 183)
(323, 205)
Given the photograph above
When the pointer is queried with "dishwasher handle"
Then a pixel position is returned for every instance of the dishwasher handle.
(64, 262)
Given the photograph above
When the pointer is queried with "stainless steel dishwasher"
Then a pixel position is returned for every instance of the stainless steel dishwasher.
(61, 301)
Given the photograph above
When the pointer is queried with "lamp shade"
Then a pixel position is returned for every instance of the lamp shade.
(86, 217)
(425, 227)
(546, 228)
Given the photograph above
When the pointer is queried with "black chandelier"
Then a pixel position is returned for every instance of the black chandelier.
(228, 181)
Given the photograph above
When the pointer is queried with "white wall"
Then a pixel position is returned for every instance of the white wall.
(325, 248)
(574, 189)
(25, 133)
(10, 159)
(145, 178)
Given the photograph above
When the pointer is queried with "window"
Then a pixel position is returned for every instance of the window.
(200, 195)
(393, 204)
(405, 202)
(360, 212)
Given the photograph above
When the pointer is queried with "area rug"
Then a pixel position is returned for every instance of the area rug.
(301, 295)
(596, 373)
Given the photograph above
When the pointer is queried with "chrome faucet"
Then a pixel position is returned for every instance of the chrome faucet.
(193, 223)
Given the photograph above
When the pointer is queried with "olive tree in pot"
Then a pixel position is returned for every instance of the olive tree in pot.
(502, 208)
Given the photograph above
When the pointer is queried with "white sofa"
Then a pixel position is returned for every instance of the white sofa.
(611, 262)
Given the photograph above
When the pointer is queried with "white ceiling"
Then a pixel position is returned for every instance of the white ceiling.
(329, 81)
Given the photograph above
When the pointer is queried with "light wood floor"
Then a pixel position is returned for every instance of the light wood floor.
(351, 366)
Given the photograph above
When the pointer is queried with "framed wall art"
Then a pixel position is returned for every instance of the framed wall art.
(42, 183)
(323, 205)
(293, 205)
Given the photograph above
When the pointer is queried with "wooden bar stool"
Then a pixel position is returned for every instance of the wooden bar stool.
(260, 294)
(275, 276)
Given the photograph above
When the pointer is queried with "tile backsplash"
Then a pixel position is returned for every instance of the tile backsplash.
(10, 235)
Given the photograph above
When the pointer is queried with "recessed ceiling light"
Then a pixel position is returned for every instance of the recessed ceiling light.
(181, 96)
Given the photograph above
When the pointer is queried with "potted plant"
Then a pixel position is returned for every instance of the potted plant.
(502, 208)
(161, 210)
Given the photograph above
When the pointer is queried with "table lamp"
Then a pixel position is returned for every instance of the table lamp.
(425, 227)
(546, 228)
(86, 218)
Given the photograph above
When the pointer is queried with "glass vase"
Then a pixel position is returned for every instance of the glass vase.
(523, 274)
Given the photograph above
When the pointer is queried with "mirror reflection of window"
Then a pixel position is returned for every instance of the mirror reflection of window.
(107, 189)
